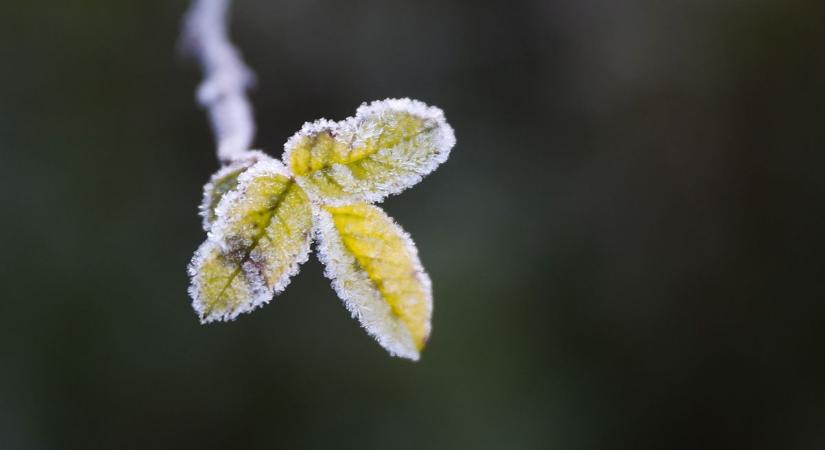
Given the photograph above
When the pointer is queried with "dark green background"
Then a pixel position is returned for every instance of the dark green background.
(626, 244)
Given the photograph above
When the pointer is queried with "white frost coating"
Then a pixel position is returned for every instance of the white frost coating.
(243, 161)
(256, 292)
(360, 295)
(366, 125)
(294, 268)
(224, 222)
(226, 77)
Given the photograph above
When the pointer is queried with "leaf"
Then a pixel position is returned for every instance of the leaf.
(374, 268)
(222, 285)
(387, 147)
(263, 232)
(223, 181)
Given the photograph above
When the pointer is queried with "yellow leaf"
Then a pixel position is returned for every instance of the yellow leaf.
(263, 230)
(374, 268)
(387, 147)
(221, 286)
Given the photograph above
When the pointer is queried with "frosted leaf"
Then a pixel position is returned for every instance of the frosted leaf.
(222, 285)
(374, 268)
(263, 231)
(387, 147)
(223, 181)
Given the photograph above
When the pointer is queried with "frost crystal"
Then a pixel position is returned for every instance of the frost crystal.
(260, 236)
(387, 147)
(374, 268)
(223, 287)
(223, 181)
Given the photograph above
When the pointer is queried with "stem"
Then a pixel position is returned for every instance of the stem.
(226, 77)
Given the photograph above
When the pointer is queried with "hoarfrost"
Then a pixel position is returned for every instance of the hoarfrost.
(361, 294)
(223, 181)
(220, 290)
(268, 220)
(262, 216)
(388, 146)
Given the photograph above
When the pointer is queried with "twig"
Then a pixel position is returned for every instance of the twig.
(226, 77)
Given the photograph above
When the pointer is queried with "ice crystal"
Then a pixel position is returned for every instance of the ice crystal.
(387, 147)
(374, 268)
(223, 181)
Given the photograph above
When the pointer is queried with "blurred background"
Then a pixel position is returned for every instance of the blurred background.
(626, 244)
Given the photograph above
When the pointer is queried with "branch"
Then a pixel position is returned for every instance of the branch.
(226, 77)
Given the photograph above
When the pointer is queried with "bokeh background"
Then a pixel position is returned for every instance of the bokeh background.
(626, 243)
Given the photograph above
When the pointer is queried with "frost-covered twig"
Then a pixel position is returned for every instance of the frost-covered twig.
(226, 77)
